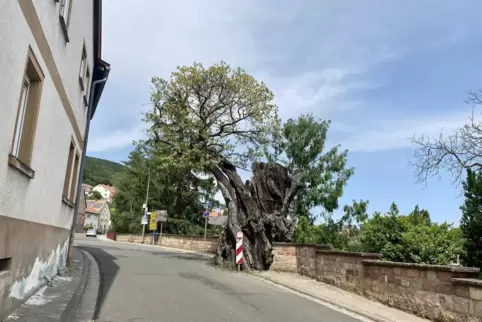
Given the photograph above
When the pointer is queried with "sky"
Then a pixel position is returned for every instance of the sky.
(380, 70)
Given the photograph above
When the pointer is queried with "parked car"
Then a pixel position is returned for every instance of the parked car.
(91, 233)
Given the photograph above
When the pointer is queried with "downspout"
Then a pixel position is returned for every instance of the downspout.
(82, 165)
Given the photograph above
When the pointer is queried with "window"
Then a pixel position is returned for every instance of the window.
(83, 66)
(28, 108)
(87, 86)
(68, 171)
(84, 76)
(65, 9)
(21, 117)
(71, 173)
(73, 183)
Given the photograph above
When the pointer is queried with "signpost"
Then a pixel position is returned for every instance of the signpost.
(239, 249)
(162, 218)
(206, 216)
(153, 221)
(153, 225)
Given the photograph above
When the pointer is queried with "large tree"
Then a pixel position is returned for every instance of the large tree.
(218, 119)
(174, 189)
(471, 221)
(454, 152)
(300, 147)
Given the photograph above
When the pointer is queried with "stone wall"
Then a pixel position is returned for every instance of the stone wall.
(195, 243)
(296, 258)
(439, 293)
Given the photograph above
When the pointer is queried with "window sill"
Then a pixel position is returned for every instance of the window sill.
(63, 24)
(66, 201)
(14, 162)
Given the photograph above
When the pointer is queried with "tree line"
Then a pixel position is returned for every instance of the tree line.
(207, 123)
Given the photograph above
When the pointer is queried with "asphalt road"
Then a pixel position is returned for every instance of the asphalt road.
(142, 283)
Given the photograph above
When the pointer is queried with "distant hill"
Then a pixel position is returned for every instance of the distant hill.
(100, 171)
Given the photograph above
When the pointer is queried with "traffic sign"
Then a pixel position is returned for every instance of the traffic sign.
(144, 220)
(161, 215)
(153, 221)
(206, 213)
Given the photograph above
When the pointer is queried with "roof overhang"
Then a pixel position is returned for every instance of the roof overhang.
(101, 68)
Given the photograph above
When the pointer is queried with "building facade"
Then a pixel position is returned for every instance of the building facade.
(97, 215)
(49, 61)
(107, 192)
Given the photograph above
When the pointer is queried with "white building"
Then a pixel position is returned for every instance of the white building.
(52, 78)
(97, 215)
(107, 192)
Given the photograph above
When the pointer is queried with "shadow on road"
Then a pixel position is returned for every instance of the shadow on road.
(108, 271)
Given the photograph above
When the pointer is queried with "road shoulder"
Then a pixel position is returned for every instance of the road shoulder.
(66, 297)
(335, 296)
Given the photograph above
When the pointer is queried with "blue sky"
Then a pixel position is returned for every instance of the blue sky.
(381, 70)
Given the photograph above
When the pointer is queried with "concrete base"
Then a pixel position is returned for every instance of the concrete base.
(30, 254)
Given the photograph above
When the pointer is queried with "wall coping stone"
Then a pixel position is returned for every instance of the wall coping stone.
(353, 254)
(170, 235)
(324, 246)
(467, 281)
(446, 268)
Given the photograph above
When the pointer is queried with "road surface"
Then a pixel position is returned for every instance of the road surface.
(142, 283)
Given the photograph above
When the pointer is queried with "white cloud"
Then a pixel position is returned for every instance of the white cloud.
(395, 134)
(313, 55)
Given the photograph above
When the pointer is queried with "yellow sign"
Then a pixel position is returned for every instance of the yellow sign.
(153, 221)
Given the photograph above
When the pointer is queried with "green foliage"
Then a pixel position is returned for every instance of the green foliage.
(201, 114)
(173, 189)
(342, 234)
(411, 238)
(100, 171)
(471, 221)
(300, 146)
(95, 195)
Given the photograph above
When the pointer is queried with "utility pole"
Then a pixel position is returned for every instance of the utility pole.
(145, 209)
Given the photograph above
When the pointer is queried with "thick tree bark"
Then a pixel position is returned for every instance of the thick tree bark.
(258, 208)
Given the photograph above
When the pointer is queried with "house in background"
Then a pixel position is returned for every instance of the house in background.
(107, 192)
(97, 214)
(52, 80)
(87, 188)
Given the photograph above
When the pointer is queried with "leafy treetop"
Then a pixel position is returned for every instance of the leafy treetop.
(203, 114)
(300, 146)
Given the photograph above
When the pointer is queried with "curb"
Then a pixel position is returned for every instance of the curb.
(71, 309)
(325, 299)
(90, 296)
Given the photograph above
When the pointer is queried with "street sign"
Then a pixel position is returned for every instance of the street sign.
(144, 220)
(153, 221)
(206, 213)
(218, 220)
(161, 215)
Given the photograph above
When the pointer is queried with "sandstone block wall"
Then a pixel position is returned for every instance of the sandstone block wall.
(438, 293)
(195, 243)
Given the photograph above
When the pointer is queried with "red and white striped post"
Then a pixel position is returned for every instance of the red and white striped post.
(239, 249)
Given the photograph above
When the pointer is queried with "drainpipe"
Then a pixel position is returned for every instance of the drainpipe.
(82, 165)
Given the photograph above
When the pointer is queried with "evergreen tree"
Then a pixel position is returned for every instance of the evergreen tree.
(471, 222)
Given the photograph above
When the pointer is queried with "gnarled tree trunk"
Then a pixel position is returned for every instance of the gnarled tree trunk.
(258, 208)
